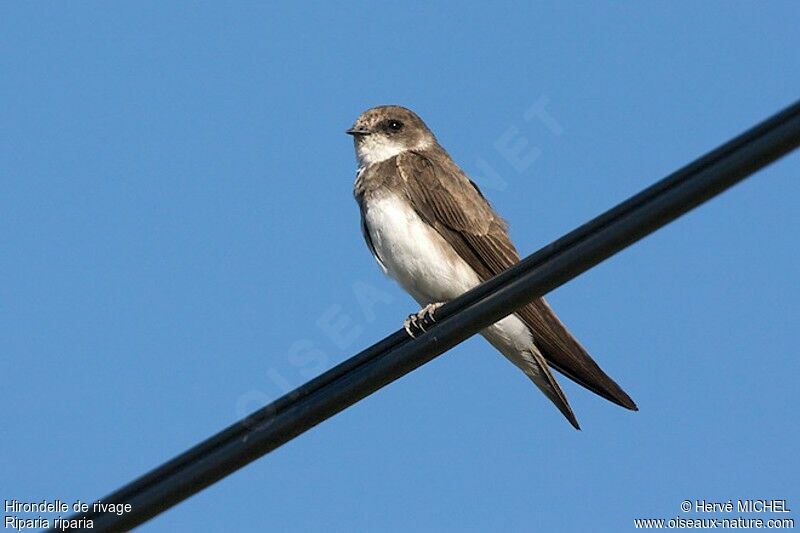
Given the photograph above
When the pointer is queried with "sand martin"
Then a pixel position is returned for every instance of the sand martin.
(432, 230)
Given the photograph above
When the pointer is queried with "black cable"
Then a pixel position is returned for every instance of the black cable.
(397, 355)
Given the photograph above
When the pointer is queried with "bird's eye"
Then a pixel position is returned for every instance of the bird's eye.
(394, 125)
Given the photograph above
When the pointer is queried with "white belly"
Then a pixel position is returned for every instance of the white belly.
(427, 267)
(414, 254)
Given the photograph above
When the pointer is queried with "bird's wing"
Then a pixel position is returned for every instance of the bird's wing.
(358, 191)
(370, 245)
(453, 205)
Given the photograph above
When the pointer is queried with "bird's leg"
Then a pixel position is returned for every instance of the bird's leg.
(421, 321)
(412, 327)
(427, 316)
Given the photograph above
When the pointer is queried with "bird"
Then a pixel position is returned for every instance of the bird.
(432, 230)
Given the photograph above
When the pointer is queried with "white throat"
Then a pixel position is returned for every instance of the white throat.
(373, 149)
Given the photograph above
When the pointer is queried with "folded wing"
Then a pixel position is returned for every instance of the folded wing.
(469, 224)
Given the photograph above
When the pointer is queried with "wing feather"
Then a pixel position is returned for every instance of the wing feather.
(450, 202)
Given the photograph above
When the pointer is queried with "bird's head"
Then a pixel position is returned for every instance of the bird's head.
(383, 132)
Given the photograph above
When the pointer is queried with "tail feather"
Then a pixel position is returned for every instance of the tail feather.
(564, 353)
(547, 383)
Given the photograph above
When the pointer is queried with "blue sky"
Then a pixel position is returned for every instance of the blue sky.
(178, 233)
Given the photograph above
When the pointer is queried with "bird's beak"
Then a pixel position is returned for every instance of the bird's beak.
(358, 131)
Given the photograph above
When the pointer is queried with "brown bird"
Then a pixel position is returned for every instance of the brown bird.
(432, 230)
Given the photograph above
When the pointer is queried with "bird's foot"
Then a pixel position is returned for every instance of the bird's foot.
(422, 321)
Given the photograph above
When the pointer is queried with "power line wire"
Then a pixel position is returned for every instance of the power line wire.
(397, 354)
